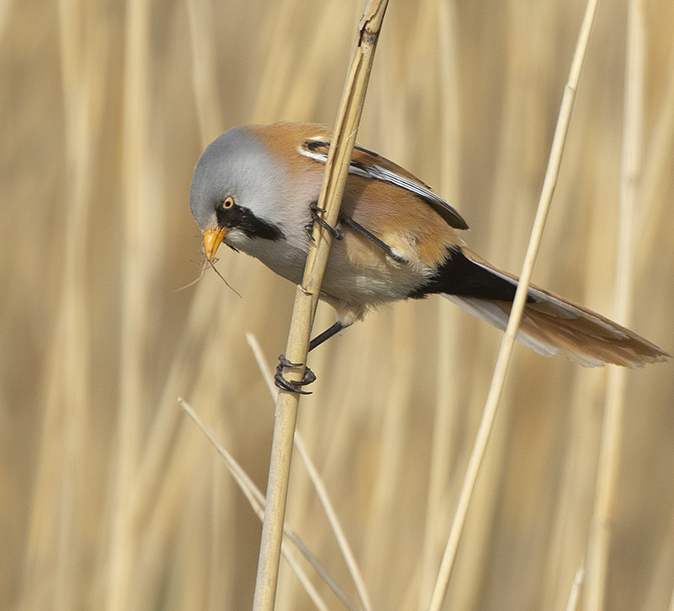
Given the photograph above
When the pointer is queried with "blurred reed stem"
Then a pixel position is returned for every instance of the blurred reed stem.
(501, 367)
(630, 190)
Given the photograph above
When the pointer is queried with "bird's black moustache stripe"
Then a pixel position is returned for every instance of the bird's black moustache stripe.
(460, 276)
(252, 226)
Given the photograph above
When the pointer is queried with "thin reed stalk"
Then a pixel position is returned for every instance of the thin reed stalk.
(319, 485)
(257, 502)
(574, 594)
(501, 368)
(306, 299)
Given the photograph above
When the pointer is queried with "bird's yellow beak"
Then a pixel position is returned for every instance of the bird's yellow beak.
(212, 240)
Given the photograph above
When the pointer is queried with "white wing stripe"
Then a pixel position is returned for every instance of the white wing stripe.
(378, 173)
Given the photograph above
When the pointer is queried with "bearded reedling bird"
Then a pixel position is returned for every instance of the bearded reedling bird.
(256, 188)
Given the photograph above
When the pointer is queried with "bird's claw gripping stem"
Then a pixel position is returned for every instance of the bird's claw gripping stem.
(335, 232)
(288, 385)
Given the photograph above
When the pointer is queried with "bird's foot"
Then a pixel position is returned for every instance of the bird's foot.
(290, 386)
(335, 232)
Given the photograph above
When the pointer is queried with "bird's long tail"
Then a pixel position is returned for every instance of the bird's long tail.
(550, 324)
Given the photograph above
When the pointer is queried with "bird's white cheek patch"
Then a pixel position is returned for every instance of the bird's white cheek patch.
(237, 238)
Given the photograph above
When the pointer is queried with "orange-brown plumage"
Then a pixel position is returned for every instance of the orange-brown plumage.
(399, 240)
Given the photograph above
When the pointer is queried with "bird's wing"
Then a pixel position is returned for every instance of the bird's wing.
(369, 164)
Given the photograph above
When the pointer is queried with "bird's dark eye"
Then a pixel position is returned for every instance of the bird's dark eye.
(228, 203)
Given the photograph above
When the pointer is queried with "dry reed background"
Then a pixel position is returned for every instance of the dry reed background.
(111, 498)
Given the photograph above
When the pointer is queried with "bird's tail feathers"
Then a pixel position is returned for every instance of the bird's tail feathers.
(551, 324)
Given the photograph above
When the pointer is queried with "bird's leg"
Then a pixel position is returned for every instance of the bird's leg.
(338, 234)
(335, 232)
(327, 334)
(284, 384)
(347, 220)
(309, 376)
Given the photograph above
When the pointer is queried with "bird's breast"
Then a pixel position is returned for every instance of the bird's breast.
(282, 256)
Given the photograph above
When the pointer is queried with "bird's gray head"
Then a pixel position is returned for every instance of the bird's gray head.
(235, 187)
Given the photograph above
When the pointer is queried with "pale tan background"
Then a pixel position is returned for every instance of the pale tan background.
(110, 498)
